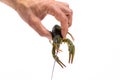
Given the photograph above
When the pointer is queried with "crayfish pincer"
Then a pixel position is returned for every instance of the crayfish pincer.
(57, 41)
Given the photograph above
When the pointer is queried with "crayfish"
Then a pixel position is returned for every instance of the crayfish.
(57, 41)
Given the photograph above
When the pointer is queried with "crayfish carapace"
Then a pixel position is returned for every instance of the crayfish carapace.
(57, 41)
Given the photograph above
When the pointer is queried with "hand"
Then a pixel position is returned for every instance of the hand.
(33, 11)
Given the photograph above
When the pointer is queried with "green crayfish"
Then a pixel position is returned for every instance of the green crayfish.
(57, 40)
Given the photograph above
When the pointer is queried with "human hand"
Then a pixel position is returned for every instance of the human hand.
(33, 11)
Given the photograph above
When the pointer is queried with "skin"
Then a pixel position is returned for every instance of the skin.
(34, 11)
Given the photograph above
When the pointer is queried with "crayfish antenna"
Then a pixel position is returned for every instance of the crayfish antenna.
(71, 36)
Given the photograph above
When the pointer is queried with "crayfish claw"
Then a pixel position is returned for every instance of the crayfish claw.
(71, 55)
(61, 64)
(58, 61)
(71, 49)
(70, 58)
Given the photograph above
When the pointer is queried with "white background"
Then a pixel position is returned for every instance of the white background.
(24, 55)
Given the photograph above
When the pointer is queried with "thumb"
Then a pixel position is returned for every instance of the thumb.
(36, 24)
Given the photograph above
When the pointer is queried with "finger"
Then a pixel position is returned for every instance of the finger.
(63, 3)
(42, 16)
(68, 12)
(60, 16)
(64, 29)
(38, 12)
(35, 23)
(69, 15)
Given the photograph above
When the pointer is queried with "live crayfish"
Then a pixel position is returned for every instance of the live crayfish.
(57, 41)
